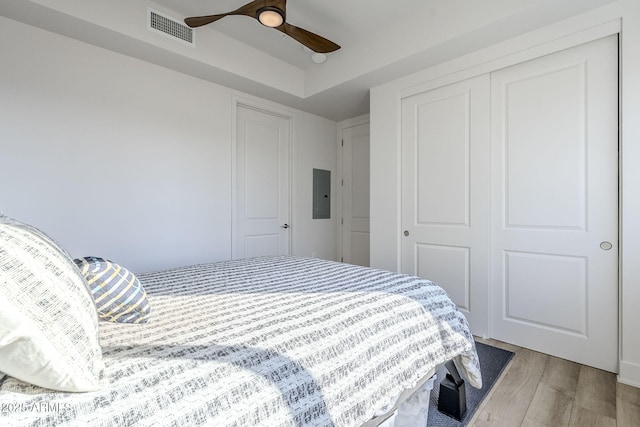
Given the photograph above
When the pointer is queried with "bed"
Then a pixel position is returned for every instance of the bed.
(271, 341)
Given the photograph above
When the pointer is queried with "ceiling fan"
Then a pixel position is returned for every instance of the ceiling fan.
(271, 13)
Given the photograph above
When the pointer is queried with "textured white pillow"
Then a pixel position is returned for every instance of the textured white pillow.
(48, 321)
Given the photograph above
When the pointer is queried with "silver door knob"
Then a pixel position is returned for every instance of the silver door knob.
(285, 226)
(605, 246)
(406, 232)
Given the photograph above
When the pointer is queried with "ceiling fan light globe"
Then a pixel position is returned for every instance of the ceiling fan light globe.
(270, 16)
(318, 58)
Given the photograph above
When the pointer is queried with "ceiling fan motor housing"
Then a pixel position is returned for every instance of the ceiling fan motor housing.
(271, 16)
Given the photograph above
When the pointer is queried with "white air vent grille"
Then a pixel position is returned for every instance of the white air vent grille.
(170, 27)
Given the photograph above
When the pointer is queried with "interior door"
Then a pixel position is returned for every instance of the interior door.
(262, 208)
(445, 193)
(355, 195)
(555, 204)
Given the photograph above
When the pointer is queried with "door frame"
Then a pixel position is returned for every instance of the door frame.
(275, 110)
(342, 127)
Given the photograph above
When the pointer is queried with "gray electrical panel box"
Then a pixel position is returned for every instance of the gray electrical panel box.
(321, 194)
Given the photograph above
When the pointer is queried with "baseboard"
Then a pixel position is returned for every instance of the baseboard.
(629, 373)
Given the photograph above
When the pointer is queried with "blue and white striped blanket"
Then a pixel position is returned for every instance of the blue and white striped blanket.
(276, 341)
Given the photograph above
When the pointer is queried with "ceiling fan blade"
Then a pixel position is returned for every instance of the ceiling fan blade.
(313, 41)
(249, 9)
(198, 21)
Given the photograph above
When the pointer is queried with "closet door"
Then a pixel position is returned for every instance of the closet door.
(445, 193)
(555, 204)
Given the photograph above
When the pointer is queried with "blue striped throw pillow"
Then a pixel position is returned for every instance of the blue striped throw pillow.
(117, 292)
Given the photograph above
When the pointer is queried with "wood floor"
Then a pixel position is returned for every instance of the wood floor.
(541, 390)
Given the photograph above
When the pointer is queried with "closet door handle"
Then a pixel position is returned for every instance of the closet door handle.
(285, 226)
(605, 246)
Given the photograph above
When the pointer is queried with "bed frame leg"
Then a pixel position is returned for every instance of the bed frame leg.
(453, 396)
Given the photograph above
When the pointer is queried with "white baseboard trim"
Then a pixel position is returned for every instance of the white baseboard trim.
(629, 373)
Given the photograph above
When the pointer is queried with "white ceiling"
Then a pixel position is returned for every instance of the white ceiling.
(343, 22)
(381, 40)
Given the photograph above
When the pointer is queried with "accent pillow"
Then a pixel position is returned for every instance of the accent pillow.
(117, 292)
(48, 322)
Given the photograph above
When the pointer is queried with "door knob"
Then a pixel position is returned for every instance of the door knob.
(406, 233)
(605, 246)
(285, 226)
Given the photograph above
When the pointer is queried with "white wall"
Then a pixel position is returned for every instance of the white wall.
(315, 149)
(116, 157)
(385, 145)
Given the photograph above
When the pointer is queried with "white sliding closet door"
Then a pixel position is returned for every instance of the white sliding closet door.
(445, 193)
(555, 204)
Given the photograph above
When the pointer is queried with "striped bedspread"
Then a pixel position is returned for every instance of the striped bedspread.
(275, 341)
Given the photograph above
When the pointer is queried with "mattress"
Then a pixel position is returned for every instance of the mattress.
(272, 341)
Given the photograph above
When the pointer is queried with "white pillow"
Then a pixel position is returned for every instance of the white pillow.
(48, 321)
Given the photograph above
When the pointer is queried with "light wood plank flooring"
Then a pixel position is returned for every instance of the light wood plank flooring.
(541, 390)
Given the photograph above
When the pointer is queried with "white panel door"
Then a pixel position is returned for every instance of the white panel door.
(445, 193)
(355, 195)
(555, 204)
(262, 184)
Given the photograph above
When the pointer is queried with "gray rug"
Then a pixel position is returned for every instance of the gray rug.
(493, 360)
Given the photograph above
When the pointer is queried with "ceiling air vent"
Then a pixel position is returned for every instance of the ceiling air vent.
(170, 27)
